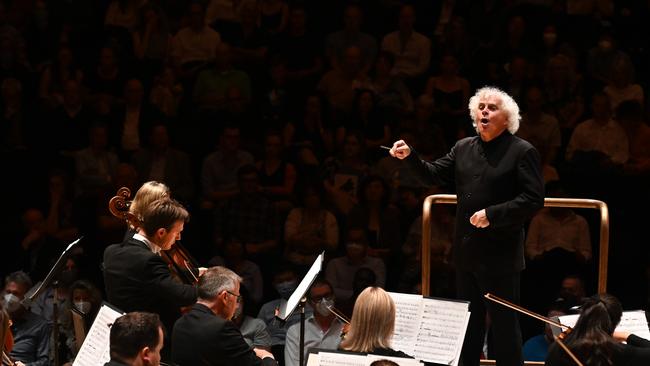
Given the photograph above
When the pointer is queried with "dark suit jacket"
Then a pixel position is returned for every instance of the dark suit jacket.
(136, 279)
(202, 338)
(503, 177)
(114, 363)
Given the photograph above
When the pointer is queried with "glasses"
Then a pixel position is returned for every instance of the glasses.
(235, 295)
(316, 299)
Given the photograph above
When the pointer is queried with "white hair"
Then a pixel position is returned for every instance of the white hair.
(508, 105)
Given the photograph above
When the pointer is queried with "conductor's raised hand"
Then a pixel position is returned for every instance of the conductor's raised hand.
(400, 149)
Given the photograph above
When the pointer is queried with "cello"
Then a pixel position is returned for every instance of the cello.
(181, 264)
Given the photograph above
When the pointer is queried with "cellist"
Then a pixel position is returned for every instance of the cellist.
(136, 277)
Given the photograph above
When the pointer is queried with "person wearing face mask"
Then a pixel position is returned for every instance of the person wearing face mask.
(30, 331)
(499, 187)
(341, 270)
(285, 282)
(85, 299)
(206, 335)
(322, 330)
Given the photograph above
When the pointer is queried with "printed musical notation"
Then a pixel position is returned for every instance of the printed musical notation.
(430, 329)
(96, 347)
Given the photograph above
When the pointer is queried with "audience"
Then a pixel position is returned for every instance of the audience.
(102, 95)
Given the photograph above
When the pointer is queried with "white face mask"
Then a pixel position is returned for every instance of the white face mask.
(83, 306)
(322, 307)
(11, 302)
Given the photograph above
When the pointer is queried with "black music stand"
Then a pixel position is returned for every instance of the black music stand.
(298, 299)
(52, 280)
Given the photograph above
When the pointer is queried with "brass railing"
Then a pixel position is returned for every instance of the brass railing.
(548, 202)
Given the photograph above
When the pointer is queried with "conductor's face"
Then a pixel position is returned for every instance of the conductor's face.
(491, 119)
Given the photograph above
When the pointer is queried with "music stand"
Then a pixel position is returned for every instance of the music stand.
(298, 299)
(51, 279)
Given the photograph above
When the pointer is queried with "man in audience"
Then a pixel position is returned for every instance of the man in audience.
(341, 270)
(285, 282)
(31, 332)
(136, 340)
(206, 335)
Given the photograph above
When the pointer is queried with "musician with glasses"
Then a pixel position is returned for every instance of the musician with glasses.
(206, 335)
(322, 330)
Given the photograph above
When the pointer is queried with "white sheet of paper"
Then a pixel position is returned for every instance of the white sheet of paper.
(407, 321)
(341, 359)
(430, 329)
(287, 308)
(442, 331)
(96, 347)
(633, 321)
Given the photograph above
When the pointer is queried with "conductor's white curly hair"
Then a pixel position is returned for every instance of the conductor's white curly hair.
(508, 105)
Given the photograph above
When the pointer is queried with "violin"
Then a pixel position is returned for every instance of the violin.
(182, 265)
(559, 339)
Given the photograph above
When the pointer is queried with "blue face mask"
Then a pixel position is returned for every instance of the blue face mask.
(286, 288)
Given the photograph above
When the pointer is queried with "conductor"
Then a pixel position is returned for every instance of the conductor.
(498, 182)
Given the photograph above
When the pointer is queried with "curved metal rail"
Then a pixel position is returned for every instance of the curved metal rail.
(548, 202)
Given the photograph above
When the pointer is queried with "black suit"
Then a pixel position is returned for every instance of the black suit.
(137, 279)
(502, 176)
(201, 337)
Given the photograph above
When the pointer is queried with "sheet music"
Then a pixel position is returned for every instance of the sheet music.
(407, 321)
(346, 359)
(398, 360)
(633, 321)
(96, 347)
(442, 331)
(341, 359)
(287, 308)
(431, 330)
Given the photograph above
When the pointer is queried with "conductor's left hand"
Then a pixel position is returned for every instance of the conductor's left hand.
(479, 219)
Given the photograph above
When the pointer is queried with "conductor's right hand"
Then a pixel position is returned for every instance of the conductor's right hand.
(400, 149)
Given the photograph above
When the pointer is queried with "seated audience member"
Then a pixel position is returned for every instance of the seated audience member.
(252, 329)
(234, 258)
(363, 277)
(249, 216)
(219, 168)
(31, 332)
(572, 290)
(86, 299)
(285, 282)
(309, 229)
(95, 164)
(411, 49)
(163, 163)
(379, 218)
(536, 347)
(372, 324)
(558, 241)
(341, 270)
(136, 340)
(630, 115)
(594, 341)
(277, 174)
(205, 335)
(195, 45)
(322, 330)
